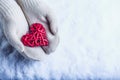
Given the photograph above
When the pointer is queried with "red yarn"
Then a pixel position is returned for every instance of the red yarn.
(36, 36)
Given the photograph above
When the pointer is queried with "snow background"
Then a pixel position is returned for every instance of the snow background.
(89, 45)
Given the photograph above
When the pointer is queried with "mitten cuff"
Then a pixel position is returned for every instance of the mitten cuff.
(8, 8)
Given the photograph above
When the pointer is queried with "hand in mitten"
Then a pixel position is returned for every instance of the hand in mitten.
(15, 25)
(38, 12)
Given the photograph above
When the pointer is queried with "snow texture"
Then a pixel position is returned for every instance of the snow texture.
(89, 45)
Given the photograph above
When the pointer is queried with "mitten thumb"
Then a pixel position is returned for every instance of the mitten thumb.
(13, 39)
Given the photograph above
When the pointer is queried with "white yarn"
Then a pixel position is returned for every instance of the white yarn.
(38, 11)
(15, 25)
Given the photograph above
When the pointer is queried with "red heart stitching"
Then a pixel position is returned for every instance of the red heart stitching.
(36, 36)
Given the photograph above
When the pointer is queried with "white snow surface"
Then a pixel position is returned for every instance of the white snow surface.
(89, 45)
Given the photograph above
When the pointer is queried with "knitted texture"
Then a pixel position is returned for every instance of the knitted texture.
(17, 17)
(14, 23)
(37, 11)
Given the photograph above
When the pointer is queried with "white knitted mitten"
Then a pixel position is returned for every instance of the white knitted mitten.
(14, 23)
(38, 11)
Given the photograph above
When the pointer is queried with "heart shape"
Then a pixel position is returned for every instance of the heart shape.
(36, 36)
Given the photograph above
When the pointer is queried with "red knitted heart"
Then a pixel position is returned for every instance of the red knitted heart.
(36, 36)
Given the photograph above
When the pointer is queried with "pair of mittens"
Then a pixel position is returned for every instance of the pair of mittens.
(19, 15)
